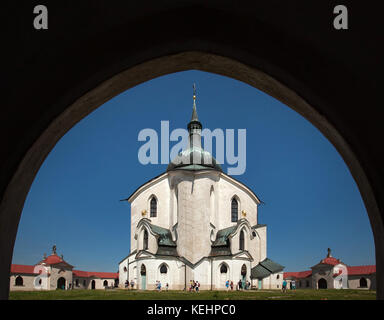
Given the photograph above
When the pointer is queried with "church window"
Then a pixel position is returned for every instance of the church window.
(307, 283)
(145, 242)
(153, 207)
(19, 281)
(105, 283)
(163, 268)
(278, 276)
(143, 270)
(241, 244)
(223, 268)
(363, 283)
(234, 210)
(125, 269)
(39, 281)
(244, 270)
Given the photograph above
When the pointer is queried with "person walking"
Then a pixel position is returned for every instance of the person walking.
(227, 284)
(231, 285)
(166, 286)
(284, 286)
(197, 286)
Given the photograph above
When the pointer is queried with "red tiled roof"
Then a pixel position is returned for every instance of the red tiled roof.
(54, 259)
(88, 274)
(356, 270)
(297, 275)
(331, 260)
(20, 268)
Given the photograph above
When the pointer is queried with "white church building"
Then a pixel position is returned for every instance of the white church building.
(194, 222)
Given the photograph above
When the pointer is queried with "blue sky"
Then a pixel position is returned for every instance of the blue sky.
(311, 200)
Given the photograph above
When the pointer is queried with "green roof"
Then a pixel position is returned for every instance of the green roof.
(265, 268)
(271, 265)
(222, 236)
(164, 236)
(259, 272)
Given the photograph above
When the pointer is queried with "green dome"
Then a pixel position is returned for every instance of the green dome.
(194, 159)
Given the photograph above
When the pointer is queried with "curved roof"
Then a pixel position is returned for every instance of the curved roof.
(194, 158)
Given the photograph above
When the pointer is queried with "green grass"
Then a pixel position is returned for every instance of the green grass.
(119, 294)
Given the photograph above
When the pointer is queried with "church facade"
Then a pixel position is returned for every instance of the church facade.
(194, 222)
(332, 273)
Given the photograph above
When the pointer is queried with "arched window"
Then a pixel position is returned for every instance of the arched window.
(143, 270)
(163, 268)
(153, 207)
(145, 240)
(363, 283)
(105, 283)
(243, 270)
(223, 268)
(125, 269)
(18, 281)
(278, 276)
(234, 210)
(241, 242)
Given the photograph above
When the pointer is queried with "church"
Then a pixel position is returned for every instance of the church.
(194, 222)
(53, 272)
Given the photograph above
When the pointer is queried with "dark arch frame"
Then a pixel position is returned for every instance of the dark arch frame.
(234, 209)
(153, 207)
(322, 283)
(163, 268)
(86, 77)
(19, 281)
(363, 283)
(60, 282)
(242, 240)
(145, 239)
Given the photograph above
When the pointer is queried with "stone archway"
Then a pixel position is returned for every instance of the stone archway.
(77, 76)
(61, 282)
(322, 283)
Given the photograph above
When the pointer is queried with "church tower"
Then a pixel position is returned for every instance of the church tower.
(193, 179)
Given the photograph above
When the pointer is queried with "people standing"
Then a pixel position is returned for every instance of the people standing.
(231, 285)
(293, 285)
(227, 284)
(166, 286)
(197, 286)
(132, 284)
(284, 285)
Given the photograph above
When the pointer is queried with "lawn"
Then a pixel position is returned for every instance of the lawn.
(120, 294)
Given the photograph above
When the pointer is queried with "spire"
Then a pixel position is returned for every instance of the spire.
(194, 112)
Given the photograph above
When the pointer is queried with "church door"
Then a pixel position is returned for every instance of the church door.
(243, 275)
(61, 283)
(322, 283)
(260, 284)
(143, 273)
(93, 285)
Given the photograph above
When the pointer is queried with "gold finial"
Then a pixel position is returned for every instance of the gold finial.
(143, 212)
(194, 92)
(244, 213)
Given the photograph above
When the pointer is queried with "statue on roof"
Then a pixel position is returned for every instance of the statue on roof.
(54, 249)
(329, 253)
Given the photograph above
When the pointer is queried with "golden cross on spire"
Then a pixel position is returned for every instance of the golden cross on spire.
(194, 92)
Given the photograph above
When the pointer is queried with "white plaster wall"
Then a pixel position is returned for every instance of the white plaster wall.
(226, 190)
(159, 188)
